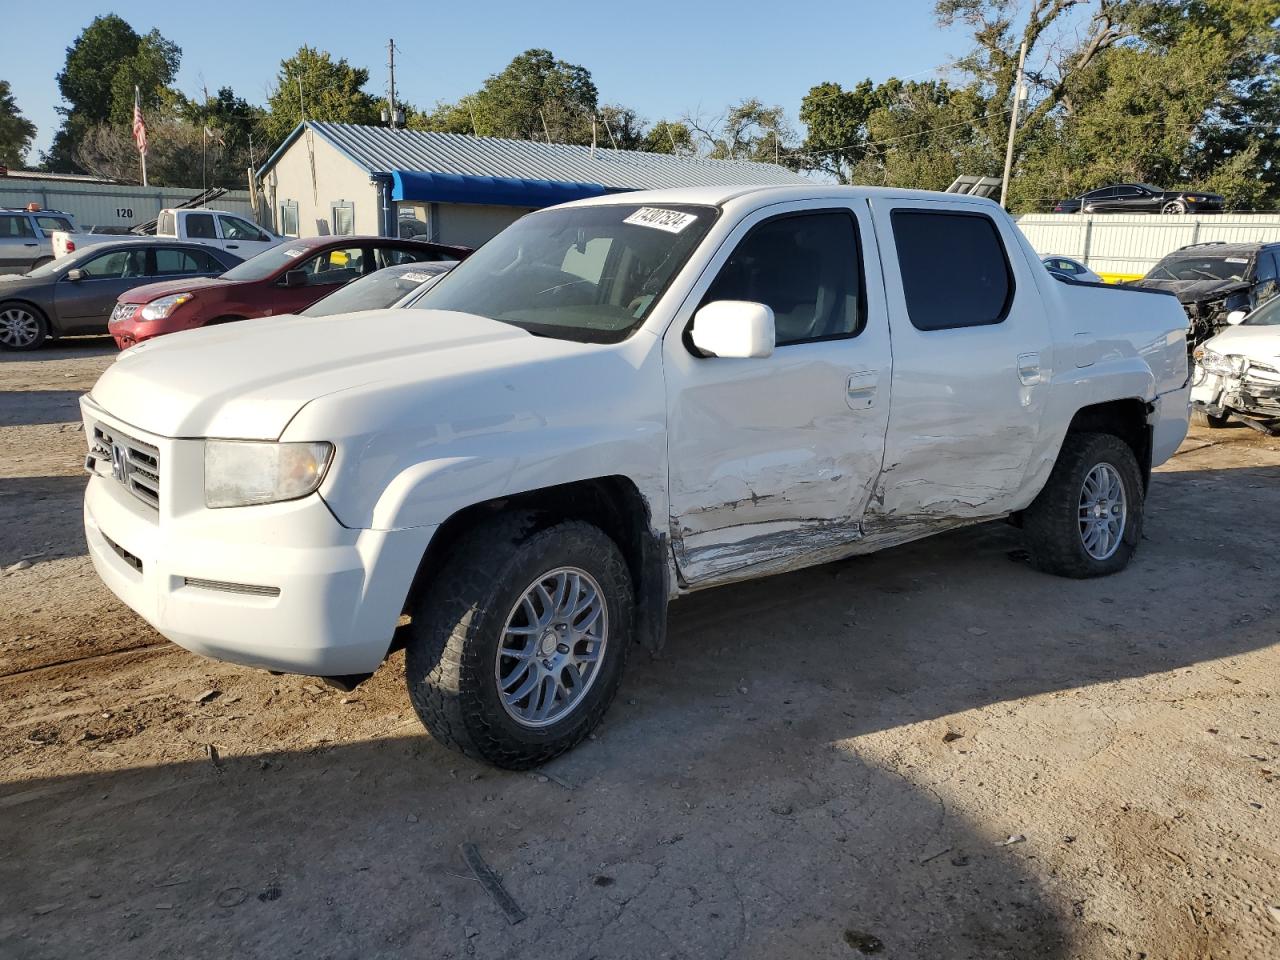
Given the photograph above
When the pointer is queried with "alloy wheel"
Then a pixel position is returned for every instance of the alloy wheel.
(551, 647)
(19, 327)
(1103, 511)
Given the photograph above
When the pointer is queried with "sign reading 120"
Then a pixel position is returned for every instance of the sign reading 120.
(126, 212)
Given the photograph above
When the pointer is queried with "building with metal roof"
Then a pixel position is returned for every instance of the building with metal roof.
(345, 178)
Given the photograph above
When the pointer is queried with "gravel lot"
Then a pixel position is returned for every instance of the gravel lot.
(933, 753)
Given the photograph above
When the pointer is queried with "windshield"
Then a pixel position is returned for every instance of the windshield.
(1267, 315)
(378, 290)
(579, 273)
(269, 262)
(1183, 267)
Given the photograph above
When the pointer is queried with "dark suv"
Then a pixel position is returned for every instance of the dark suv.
(1141, 198)
(1214, 279)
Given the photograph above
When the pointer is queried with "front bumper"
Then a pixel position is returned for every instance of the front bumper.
(1256, 393)
(281, 586)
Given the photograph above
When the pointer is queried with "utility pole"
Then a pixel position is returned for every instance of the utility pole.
(391, 66)
(1013, 127)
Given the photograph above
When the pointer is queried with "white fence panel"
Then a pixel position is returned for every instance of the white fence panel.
(109, 204)
(1130, 244)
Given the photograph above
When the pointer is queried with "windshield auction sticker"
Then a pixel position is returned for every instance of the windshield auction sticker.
(294, 251)
(672, 221)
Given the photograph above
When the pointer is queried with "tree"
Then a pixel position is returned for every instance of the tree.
(329, 90)
(535, 97)
(97, 82)
(748, 130)
(16, 131)
(227, 125)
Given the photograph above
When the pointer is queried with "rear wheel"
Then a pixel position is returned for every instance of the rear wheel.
(22, 327)
(517, 648)
(1173, 207)
(1087, 520)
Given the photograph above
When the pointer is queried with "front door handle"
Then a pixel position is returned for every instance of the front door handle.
(861, 390)
(1029, 369)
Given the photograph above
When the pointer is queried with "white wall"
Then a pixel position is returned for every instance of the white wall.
(335, 178)
(1130, 244)
(109, 204)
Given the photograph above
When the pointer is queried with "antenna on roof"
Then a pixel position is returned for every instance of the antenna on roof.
(593, 136)
(544, 124)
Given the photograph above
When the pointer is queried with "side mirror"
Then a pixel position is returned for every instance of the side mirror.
(1236, 316)
(75, 275)
(734, 329)
(295, 278)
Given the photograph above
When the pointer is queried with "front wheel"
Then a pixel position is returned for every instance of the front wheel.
(22, 327)
(517, 648)
(1174, 207)
(1087, 520)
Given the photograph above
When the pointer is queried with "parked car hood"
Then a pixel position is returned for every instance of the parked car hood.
(152, 291)
(1256, 343)
(248, 380)
(1195, 291)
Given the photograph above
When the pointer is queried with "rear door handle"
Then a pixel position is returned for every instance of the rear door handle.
(33, 244)
(861, 390)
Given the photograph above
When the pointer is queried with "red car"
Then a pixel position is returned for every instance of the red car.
(285, 279)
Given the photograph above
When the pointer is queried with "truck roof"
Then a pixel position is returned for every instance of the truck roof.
(719, 195)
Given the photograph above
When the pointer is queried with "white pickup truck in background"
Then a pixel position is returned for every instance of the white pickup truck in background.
(218, 228)
(611, 404)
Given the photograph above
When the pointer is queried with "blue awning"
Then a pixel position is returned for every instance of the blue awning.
(503, 191)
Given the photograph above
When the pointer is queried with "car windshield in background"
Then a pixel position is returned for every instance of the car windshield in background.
(581, 273)
(378, 290)
(1267, 315)
(1200, 268)
(269, 261)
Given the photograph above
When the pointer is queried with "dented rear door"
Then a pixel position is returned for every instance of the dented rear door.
(772, 461)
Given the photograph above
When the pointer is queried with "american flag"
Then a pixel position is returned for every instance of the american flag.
(139, 125)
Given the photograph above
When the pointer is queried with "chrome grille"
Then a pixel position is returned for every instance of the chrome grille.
(122, 311)
(129, 461)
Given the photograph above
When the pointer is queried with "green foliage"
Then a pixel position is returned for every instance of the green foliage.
(16, 131)
(97, 82)
(1175, 92)
(749, 130)
(331, 90)
(535, 97)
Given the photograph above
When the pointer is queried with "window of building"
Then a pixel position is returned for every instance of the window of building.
(807, 268)
(954, 269)
(343, 218)
(289, 218)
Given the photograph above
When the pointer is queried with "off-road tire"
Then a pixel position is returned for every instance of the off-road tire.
(1202, 419)
(1051, 525)
(456, 626)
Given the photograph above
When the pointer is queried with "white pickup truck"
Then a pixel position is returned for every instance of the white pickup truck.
(217, 228)
(611, 404)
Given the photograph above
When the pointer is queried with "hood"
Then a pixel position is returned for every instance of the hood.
(21, 278)
(153, 291)
(1194, 291)
(1256, 343)
(247, 380)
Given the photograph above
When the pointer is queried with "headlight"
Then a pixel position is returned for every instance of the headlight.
(159, 309)
(239, 473)
(1232, 365)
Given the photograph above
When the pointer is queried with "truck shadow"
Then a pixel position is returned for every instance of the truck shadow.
(726, 809)
(29, 407)
(41, 518)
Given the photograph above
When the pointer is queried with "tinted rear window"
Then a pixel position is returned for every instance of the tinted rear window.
(954, 269)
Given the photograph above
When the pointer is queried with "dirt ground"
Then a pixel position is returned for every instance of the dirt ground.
(934, 752)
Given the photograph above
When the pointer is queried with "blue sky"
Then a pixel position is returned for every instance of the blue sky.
(661, 57)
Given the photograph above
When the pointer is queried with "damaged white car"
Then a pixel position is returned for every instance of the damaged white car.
(611, 404)
(1237, 373)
